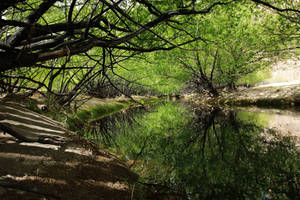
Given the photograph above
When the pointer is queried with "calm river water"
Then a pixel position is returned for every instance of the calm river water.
(193, 152)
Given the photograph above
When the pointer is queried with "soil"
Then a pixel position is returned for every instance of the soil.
(284, 95)
(41, 171)
(281, 90)
(69, 169)
(278, 90)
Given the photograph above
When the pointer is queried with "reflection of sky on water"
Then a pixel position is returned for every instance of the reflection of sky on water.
(285, 122)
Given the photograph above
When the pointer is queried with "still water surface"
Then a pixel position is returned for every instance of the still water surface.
(192, 152)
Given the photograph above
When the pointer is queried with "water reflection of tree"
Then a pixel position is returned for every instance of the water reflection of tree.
(240, 162)
(103, 130)
(212, 155)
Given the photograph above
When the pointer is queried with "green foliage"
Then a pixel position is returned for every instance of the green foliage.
(255, 77)
(237, 41)
(155, 73)
(155, 128)
(55, 110)
(258, 119)
(33, 106)
(97, 122)
(233, 41)
(223, 156)
(100, 111)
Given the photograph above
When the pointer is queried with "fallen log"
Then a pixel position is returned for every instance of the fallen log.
(28, 126)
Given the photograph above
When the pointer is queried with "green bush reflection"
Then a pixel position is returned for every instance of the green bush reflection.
(205, 153)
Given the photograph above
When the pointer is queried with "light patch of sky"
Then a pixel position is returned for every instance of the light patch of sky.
(124, 4)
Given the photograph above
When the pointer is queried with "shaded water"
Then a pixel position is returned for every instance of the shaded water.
(185, 151)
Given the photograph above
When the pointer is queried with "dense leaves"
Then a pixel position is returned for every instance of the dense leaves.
(65, 47)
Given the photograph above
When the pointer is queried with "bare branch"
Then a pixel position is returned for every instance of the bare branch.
(275, 7)
(20, 34)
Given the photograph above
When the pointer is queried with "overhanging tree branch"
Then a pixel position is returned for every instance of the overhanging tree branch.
(20, 34)
(112, 27)
(269, 5)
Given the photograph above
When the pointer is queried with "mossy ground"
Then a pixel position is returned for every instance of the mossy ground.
(81, 121)
(102, 110)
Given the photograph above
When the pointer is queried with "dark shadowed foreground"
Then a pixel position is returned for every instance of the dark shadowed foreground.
(45, 161)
